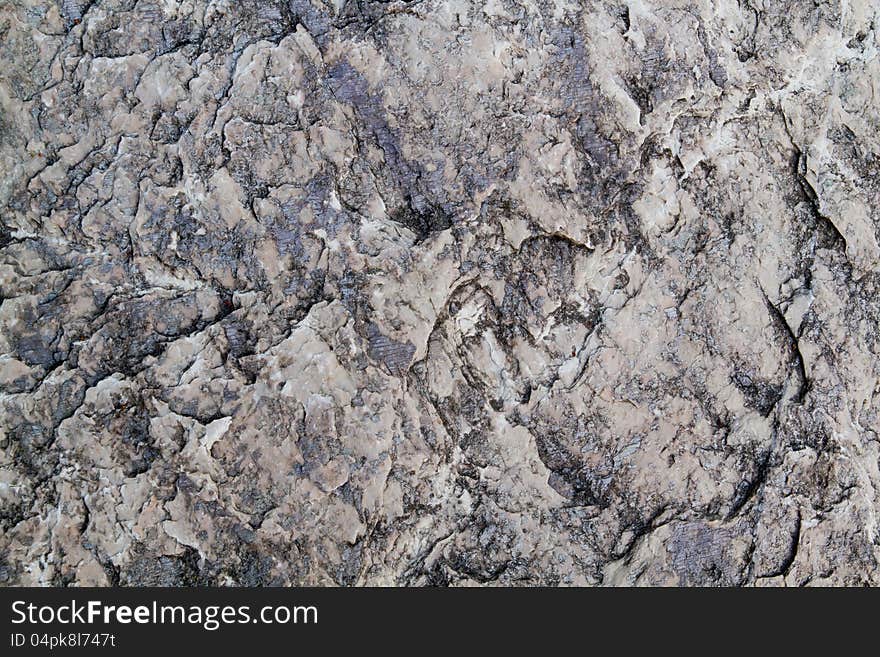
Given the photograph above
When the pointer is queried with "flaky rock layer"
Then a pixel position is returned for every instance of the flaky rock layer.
(439, 292)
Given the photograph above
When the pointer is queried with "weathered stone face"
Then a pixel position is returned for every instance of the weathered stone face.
(439, 292)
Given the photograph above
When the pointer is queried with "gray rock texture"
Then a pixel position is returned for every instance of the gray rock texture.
(436, 292)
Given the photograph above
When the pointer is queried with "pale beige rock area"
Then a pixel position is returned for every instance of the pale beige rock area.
(429, 292)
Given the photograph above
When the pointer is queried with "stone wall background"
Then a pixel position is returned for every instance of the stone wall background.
(439, 292)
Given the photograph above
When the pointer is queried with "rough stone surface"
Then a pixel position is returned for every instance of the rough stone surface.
(439, 292)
